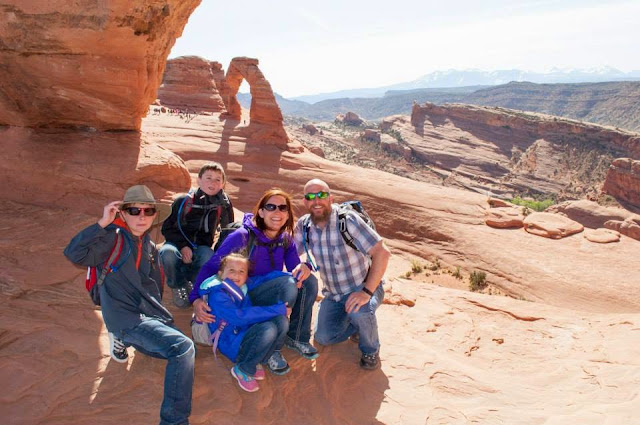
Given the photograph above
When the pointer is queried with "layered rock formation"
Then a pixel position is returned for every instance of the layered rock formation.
(96, 65)
(623, 181)
(509, 152)
(192, 82)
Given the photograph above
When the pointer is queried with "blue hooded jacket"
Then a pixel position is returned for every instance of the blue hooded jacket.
(234, 313)
(259, 258)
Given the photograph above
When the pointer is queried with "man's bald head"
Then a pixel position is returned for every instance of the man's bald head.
(316, 183)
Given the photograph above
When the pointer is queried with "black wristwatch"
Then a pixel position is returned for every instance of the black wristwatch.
(366, 291)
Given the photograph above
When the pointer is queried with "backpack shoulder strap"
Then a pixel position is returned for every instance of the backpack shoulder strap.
(344, 231)
(113, 257)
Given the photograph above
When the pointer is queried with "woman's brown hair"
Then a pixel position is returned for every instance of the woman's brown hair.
(260, 224)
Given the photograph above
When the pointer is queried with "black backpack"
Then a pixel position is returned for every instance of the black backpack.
(187, 205)
(344, 209)
(252, 241)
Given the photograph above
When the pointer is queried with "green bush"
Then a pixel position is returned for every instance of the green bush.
(457, 273)
(533, 205)
(477, 281)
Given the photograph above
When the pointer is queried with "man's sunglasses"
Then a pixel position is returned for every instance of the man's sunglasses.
(319, 195)
(136, 211)
(272, 207)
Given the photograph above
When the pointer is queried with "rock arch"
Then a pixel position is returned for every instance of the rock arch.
(264, 108)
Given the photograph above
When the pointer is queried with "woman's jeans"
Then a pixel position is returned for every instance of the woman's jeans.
(156, 339)
(259, 343)
(177, 272)
(284, 289)
(335, 325)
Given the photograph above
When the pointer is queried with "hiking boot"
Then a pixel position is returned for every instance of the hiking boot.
(369, 361)
(305, 349)
(260, 375)
(117, 349)
(246, 382)
(277, 364)
(181, 297)
(355, 337)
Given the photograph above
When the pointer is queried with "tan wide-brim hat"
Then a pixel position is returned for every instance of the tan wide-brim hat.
(140, 194)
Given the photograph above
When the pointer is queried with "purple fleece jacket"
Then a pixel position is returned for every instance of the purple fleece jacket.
(259, 258)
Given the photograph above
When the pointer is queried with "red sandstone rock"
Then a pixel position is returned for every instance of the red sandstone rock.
(629, 227)
(623, 181)
(602, 235)
(552, 226)
(265, 111)
(391, 144)
(504, 217)
(317, 150)
(372, 135)
(93, 64)
(511, 152)
(350, 118)
(589, 213)
(189, 83)
(310, 128)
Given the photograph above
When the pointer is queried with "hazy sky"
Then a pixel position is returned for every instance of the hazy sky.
(328, 45)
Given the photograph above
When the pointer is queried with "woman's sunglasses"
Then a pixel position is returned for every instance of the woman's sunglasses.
(272, 207)
(319, 195)
(136, 211)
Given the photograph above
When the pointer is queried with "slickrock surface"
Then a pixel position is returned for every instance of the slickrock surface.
(191, 82)
(93, 64)
(601, 235)
(551, 225)
(454, 357)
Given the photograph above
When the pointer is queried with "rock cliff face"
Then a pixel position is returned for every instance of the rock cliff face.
(96, 65)
(191, 82)
(623, 181)
(509, 151)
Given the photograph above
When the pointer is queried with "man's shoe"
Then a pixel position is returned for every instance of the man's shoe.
(117, 349)
(181, 297)
(277, 364)
(305, 349)
(369, 361)
(246, 382)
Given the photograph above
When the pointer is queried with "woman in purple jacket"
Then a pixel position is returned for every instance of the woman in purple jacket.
(266, 238)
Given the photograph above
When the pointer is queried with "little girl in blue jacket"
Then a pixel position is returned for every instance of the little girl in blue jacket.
(246, 334)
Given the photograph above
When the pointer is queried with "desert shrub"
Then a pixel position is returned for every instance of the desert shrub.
(435, 266)
(477, 280)
(533, 205)
(407, 275)
(416, 267)
(457, 274)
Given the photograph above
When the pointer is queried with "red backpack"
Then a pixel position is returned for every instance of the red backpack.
(94, 281)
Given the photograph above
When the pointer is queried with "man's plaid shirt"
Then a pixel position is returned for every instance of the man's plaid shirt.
(342, 269)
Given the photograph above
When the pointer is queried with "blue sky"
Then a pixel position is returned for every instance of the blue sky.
(330, 45)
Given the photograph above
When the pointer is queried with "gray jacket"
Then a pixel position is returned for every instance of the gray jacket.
(128, 294)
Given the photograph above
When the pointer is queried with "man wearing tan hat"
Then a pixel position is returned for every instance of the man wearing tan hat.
(131, 294)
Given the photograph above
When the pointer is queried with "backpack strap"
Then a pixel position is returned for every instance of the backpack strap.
(271, 246)
(344, 231)
(188, 203)
(306, 226)
(113, 258)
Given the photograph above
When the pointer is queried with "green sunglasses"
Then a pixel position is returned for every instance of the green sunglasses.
(319, 195)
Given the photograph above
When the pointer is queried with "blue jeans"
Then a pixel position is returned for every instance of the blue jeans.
(259, 343)
(335, 325)
(177, 272)
(156, 339)
(301, 300)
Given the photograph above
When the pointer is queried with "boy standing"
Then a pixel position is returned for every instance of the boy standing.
(190, 229)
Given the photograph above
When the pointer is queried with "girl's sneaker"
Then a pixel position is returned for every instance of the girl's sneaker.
(260, 375)
(246, 382)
